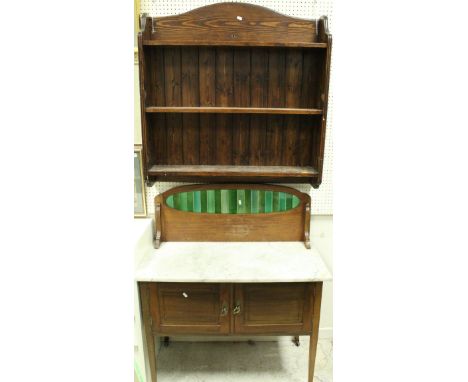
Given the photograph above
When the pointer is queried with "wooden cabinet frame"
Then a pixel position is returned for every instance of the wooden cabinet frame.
(275, 309)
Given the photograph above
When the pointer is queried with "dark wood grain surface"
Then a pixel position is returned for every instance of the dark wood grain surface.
(232, 24)
(258, 99)
(274, 308)
(209, 308)
(189, 308)
(250, 309)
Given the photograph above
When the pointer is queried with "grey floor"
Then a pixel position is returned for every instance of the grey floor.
(272, 361)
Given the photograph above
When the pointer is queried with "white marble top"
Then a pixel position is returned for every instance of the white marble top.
(232, 262)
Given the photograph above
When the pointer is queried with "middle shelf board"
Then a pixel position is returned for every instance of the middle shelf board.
(232, 110)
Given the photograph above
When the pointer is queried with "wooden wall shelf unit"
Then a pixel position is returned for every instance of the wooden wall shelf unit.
(231, 86)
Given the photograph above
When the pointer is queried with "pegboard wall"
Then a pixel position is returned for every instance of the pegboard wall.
(322, 199)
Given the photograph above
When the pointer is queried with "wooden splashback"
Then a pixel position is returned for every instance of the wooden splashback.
(232, 212)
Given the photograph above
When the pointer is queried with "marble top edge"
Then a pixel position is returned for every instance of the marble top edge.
(233, 262)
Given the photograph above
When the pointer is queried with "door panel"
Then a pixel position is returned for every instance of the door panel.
(278, 308)
(190, 308)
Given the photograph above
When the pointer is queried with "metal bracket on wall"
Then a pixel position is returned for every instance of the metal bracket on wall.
(149, 183)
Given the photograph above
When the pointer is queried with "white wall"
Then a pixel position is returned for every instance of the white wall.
(137, 118)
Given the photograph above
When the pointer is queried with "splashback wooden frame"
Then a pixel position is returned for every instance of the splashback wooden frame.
(176, 225)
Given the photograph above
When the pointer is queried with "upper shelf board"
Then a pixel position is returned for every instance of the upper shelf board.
(234, 24)
(231, 110)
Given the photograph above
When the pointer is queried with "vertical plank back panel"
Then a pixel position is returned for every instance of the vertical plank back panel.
(241, 123)
(190, 97)
(207, 72)
(224, 97)
(172, 71)
(155, 86)
(258, 98)
(293, 83)
(276, 96)
(157, 138)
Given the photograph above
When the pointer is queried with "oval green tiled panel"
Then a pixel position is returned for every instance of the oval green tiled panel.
(233, 201)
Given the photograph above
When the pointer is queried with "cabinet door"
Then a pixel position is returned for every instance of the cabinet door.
(189, 308)
(279, 308)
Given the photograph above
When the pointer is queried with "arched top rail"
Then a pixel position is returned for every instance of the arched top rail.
(234, 24)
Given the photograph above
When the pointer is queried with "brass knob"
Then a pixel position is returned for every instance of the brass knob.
(236, 309)
(224, 309)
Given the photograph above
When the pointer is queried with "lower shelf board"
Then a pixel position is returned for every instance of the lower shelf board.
(233, 171)
(233, 110)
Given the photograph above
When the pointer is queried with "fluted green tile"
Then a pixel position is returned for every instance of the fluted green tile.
(183, 201)
(295, 201)
(196, 201)
(170, 201)
(268, 201)
(190, 201)
(275, 201)
(232, 201)
(282, 201)
(218, 201)
(241, 201)
(204, 201)
(288, 201)
(254, 202)
(210, 197)
(225, 201)
(177, 201)
(261, 201)
(248, 198)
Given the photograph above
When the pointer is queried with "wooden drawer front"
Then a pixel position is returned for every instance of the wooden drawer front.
(189, 308)
(274, 308)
